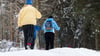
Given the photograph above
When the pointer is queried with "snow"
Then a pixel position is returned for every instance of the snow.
(53, 52)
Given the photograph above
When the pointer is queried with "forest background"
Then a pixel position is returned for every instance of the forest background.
(79, 21)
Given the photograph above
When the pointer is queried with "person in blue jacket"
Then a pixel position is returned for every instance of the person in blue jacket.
(49, 33)
(36, 28)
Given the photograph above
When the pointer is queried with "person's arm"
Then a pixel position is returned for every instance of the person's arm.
(38, 14)
(56, 26)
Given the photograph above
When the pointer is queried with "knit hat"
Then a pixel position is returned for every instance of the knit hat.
(50, 17)
(28, 2)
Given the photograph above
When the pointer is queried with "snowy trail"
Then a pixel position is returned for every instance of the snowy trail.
(53, 52)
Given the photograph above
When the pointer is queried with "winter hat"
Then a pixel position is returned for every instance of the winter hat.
(50, 17)
(28, 2)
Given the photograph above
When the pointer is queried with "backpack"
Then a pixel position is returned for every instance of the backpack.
(48, 25)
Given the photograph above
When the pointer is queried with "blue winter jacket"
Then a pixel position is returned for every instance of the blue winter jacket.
(54, 25)
(36, 28)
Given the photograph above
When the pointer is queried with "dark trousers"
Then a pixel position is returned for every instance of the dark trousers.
(49, 40)
(28, 35)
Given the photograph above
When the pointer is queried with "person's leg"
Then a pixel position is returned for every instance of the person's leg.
(51, 40)
(31, 36)
(25, 36)
(46, 41)
(32, 45)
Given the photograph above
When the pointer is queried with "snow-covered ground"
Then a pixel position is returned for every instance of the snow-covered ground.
(53, 52)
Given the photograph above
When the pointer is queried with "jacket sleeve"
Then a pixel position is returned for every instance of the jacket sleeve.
(38, 14)
(56, 26)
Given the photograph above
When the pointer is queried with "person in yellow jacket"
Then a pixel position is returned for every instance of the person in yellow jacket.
(26, 21)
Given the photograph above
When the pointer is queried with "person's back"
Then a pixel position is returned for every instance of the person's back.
(48, 25)
(28, 15)
(53, 27)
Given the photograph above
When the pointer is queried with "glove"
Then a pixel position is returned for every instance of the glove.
(20, 28)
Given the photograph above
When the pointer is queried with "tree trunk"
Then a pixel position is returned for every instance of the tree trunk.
(97, 40)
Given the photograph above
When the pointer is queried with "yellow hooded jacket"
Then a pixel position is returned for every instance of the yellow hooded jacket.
(28, 15)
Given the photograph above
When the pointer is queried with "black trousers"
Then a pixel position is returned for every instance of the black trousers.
(28, 35)
(49, 40)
